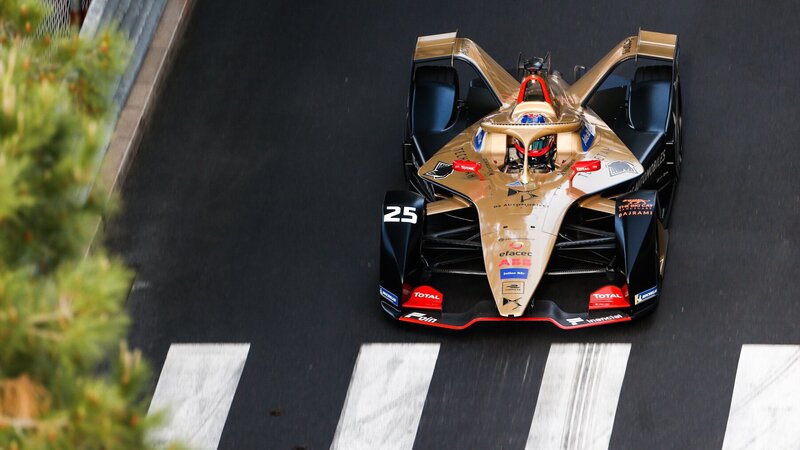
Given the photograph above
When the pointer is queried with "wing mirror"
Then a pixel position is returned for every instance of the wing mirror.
(577, 72)
(589, 165)
(461, 165)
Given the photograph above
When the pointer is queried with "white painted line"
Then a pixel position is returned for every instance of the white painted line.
(578, 397)
(765, 407)
(386, 395)
(196, 389)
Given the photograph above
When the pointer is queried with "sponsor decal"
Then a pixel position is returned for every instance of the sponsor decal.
(427, 295)
(514, 184)
(424, 297)
(407, 214)
(605, 319)
(626, 46)
(608, 297)
(519, 205)
(574, 320)
(523, 195)
(587, 136)
(635, 207)
(514, 301)
(525, 262)
(645, 295)
(516, 245)
(514, 253)
(421, 317)
(513, 273)
(532, 118)
(479, 139)
(513, 287)
(650, 170)
(442, 170)
(388, 296)
(619, 167)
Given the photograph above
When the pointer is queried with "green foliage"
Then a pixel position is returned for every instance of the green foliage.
(61, 311)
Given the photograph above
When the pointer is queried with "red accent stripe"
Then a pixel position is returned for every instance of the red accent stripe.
(541, 82)
(506, 319)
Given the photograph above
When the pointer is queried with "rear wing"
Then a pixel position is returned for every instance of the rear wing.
(647, 44)
(449, 46)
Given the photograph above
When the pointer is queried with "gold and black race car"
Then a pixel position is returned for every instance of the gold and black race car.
(531, 199)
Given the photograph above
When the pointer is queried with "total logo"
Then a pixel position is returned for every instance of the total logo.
(525, 262)
(609, 297)
(424, 297)
(421, 317)
(427, 296)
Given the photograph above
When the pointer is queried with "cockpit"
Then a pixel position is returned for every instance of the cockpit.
(534, 106)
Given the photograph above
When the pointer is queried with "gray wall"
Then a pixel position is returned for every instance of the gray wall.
(138, 19)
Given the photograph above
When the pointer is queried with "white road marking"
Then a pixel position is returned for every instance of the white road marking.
(196, 388)
(578, 397)
(386, 395)
(765, 407)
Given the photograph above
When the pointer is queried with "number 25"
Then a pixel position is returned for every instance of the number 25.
(409, 214)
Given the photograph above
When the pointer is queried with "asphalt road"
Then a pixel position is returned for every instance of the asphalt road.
(252, 213)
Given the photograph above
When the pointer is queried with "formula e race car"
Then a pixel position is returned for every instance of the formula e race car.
(531, 199)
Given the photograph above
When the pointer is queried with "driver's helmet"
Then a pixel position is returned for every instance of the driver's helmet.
(539, 148)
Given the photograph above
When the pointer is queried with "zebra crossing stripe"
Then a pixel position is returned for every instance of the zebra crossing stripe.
(195, 390)
(765, 407)
(386, 395)
(578, 396)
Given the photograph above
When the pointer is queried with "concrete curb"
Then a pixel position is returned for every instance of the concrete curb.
(136, 111)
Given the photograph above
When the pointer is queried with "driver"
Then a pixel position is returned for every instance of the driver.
(541, 152)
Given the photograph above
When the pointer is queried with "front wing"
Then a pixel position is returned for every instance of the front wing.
(540, 311)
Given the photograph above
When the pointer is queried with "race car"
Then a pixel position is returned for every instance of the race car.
(529, 198)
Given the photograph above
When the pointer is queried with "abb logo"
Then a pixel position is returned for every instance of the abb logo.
(524, 262)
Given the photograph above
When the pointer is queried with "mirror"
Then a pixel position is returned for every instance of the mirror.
(578, 72)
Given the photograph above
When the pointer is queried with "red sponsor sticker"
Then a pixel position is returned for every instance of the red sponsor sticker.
(609, 297)
(425, 297)
(515, 245)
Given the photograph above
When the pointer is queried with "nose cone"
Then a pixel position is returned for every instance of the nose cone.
(515, 261)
